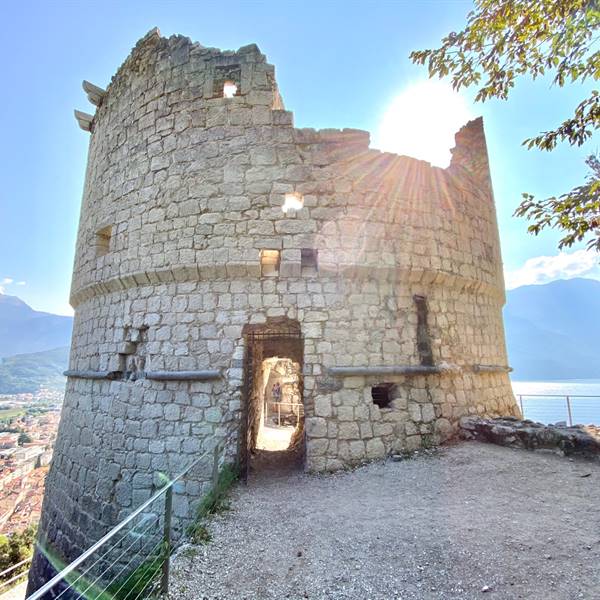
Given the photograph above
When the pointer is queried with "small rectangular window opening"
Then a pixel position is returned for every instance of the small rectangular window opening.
(292, 201)
(229, 89)
(226, 81)
(309, 259)
(103, 237)
(382, 394)
(269, 263)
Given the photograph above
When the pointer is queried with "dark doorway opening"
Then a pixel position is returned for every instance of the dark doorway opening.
(273, 409)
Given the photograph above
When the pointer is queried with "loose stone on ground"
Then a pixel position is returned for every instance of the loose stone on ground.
(474, 519)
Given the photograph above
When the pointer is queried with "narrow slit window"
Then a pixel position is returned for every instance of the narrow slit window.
(309, 259)
(103, 237)
(269, 263)
(382, 394)
(292, 202)
(423, 338)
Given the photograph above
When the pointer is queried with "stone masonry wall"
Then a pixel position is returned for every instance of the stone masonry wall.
(190, 186)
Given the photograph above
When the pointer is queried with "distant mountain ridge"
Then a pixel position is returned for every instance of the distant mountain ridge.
(24, 330)
(34, 347)
(553, 330)
(28, 372)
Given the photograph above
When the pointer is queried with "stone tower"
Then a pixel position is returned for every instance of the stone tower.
(214, 235)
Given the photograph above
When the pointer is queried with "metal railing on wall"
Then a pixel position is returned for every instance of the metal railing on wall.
(571, 409)
(297, 409)
(132, 561)
(15, 573)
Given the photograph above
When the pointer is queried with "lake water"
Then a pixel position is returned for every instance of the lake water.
(542, 406)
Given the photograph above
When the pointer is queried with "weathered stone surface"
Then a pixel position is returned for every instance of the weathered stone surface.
(578, 440)
(444, 429)
(184, 190)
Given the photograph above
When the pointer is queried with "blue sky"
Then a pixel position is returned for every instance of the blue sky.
(338, 64)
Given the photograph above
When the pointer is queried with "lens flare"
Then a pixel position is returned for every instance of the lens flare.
(421, 122)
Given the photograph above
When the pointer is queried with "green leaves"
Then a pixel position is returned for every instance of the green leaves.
(16, 548)
(576, 214)
(576, 130)
(505, 39)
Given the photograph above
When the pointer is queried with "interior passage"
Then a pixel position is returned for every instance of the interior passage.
(275, 440)
(281, 404)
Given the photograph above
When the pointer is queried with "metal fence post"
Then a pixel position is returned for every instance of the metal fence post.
(569, 411)
(164, 581)
(521, 403)
(215, 470)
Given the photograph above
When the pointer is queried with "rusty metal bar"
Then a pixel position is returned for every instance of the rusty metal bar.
(203, 375)
(385, 370)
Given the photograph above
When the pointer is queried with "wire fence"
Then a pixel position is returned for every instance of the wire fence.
(573, 409)
(11, 576)
(132, 561)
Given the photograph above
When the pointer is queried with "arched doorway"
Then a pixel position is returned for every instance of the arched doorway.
(273, 411)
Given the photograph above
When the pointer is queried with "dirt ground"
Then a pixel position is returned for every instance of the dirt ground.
(16, 593)
(473, 521)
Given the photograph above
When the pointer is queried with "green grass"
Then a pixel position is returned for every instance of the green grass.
(128, 587)
(213, 503)
(11, 413)
(145, 576)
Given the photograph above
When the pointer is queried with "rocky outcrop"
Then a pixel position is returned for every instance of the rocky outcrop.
(581, 440)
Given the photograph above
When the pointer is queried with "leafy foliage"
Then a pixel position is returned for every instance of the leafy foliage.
(15, 548)
(133, 582)
(215, 501)
(505, 39)
(141, 580)
(24, 438)
(577, 212)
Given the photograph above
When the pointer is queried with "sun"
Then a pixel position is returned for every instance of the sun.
(421, 122)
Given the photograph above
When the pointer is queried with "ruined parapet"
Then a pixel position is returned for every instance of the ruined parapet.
(211, 230)
(578, 440)
(470, 154)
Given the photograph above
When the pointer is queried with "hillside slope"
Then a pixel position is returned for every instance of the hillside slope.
(553, 330)
(27, 372)
(24, 330)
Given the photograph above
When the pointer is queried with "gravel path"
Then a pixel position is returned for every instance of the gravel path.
(16, 593)
(474, 521)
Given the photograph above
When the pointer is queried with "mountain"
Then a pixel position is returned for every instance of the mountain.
(553, 330)
(27, 372)
(24, 330)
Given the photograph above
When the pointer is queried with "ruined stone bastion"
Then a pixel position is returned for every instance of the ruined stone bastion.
(214, 235)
